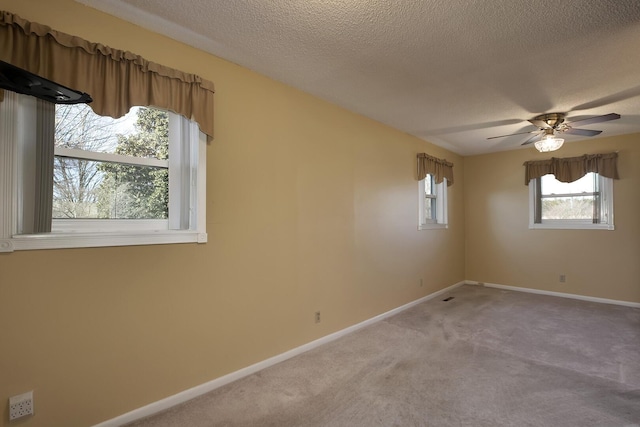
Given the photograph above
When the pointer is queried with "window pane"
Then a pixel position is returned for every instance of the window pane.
(90, 189)
(429, 208)
(572, 200)
(93, 189)
(428, 184)
(143, 132)
(428, 211)
(580, 207)
(550, 185)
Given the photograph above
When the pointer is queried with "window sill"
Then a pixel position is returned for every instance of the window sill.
(433, 226)
(92, 240)
(571, 226)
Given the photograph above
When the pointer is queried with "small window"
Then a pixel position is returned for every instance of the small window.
(78, 179)
(432, 203)
(582, 204)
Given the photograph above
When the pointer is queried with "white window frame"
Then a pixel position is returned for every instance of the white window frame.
(441, 219)
(606, 196)
(187, 192)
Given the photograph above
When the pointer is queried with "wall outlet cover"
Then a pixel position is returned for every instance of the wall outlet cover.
(21, 405)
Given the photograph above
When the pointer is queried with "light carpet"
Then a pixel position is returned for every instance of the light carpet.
(487, 357)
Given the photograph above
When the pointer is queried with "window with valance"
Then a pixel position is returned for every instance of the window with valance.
(573, 192)
(165, 159)
(434, 176)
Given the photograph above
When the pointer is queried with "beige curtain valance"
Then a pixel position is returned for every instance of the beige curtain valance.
(570, 169)
(439, 168)
(116, 80)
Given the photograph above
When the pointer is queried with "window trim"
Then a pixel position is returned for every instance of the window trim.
(606, 193)
(10, 181)
(441, 221)
(76, 153)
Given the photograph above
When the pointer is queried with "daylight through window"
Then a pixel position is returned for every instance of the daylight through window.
(432, 203)
(79, 179)
(584, 203)
(110, 168)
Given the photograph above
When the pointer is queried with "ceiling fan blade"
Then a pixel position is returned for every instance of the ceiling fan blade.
(512, 134)
(583, 132)
(596, 119)
(530, 140)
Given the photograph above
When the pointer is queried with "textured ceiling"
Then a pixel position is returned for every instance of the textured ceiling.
(452, 72)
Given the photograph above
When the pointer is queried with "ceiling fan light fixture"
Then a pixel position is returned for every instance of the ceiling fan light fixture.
(549, 142)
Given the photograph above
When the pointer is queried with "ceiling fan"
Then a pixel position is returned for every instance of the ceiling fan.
(551, 124)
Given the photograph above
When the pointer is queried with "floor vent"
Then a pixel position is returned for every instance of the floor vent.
(448, 299)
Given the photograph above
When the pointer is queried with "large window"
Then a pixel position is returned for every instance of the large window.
(432, 210)
(73, 178)
(584, 203)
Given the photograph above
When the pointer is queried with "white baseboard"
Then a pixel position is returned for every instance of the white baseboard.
(555, 294)
(201, 389)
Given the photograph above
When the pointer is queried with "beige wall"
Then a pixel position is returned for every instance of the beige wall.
(309, 207)
(501, 249)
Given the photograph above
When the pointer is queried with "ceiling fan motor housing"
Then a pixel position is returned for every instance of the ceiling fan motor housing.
(549, 120)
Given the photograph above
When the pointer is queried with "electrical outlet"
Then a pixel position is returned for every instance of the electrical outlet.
(563, 278)
(317, 317)
(421, 282)
(21, 405)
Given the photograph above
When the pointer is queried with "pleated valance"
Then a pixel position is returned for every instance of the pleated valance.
(116, 80)
(439, 168)
(571, 169)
